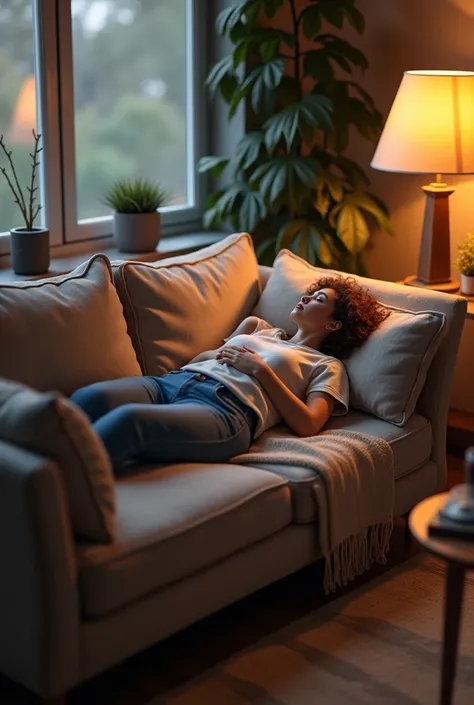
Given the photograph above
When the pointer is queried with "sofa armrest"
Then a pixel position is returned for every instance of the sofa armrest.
(39, 605)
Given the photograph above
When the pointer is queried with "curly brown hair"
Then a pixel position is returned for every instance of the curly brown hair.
(356, 308)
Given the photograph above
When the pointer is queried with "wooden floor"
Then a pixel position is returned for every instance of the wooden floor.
(183, 656)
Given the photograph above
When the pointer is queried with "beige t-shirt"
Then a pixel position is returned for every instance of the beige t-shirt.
(301, 368)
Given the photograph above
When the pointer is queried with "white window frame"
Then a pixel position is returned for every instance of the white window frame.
(176, 219)
(55, 100)
(45, 43)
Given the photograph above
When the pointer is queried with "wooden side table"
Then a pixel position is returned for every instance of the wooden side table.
(460, 557)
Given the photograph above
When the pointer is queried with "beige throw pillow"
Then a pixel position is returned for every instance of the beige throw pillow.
(65, 332)
(179, 307)
(51, 425)
(388, 372)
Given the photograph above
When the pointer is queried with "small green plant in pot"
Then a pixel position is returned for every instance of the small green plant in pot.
(465, 264)
(137, 222)
(29, 244)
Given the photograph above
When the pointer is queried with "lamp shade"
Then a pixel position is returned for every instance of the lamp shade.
(430, 127)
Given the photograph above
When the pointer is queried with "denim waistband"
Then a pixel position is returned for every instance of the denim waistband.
(229, 397)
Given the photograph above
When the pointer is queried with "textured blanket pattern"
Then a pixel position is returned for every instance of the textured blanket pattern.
(353, 488)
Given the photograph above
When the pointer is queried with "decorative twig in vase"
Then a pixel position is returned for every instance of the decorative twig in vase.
(29, 244)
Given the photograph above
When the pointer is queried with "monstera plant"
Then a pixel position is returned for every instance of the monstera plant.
(289, 182)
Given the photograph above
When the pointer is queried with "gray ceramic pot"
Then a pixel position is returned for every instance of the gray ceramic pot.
(29, 250)
(137, 232)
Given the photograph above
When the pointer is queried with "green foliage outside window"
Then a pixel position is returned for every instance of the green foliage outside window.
(290, 182)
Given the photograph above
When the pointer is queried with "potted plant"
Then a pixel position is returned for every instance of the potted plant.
(137, 222)
(29, 244)
(465, 264)
(290, 182)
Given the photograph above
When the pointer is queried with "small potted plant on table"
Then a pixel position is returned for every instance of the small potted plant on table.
(29, 244)
(465, 264)
(137, 222)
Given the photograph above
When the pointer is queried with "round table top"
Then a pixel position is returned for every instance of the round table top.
(456, 550)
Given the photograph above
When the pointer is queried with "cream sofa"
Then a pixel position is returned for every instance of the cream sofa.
(191, 538)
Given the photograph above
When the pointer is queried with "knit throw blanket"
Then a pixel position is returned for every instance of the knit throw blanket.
(353, 489)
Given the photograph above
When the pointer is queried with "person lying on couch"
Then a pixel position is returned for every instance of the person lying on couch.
(213, 407)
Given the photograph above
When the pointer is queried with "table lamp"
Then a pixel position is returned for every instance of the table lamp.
(430, 130)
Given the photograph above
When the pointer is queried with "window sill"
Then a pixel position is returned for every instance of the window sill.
(64, 262)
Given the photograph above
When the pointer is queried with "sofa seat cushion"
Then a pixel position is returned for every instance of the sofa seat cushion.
(411, 446)
(173, 520)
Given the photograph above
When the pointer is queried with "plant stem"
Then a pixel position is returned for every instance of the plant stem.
(19, 195)
(32, 188)
(12, 188)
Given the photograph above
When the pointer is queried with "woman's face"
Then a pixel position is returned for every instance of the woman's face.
(314, 312)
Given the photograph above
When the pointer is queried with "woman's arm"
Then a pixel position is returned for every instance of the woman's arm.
(305, 419)
(247, 327)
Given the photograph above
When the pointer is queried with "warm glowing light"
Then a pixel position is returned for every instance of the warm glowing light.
(466, 6)
(24, 115)
(430, 127)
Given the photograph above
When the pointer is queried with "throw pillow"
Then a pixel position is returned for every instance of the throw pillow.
(388, 372)
(65, 332)
(51, 425)
(179, 307)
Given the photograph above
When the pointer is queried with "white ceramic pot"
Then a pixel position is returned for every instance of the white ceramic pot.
(137, 232)
(467, 285)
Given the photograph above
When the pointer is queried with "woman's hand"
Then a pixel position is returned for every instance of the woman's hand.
(243, 359)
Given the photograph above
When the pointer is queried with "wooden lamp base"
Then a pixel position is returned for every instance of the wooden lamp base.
(450, 287)
(434, 264)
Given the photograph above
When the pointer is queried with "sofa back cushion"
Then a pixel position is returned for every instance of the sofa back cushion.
(388, 371)
(65, 332)
(181, 306)
(51, 425)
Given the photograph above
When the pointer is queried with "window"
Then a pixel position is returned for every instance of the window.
(117, 88)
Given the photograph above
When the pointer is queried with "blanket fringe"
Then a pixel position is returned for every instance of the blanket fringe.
(356, 554)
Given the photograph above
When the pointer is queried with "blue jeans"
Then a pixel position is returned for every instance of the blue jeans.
(183, 416)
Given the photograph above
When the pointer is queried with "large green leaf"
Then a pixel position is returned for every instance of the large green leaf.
(314, 110)
(367, 203)
(363, 94)
(311, 21)
(269, 49)
(248, 149)
(273, 176)
(271, 7)
(263, 80)
(224, 67)
(228, 18)
(283, 125)
(317, 65)
(352, 172)
(352, 227)
(367, 122)
(241, 52)
(332, 12)
(345, 49)
(252, 210)
(227, 201)
(214, 164)
(356, 18)
(305, 239)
